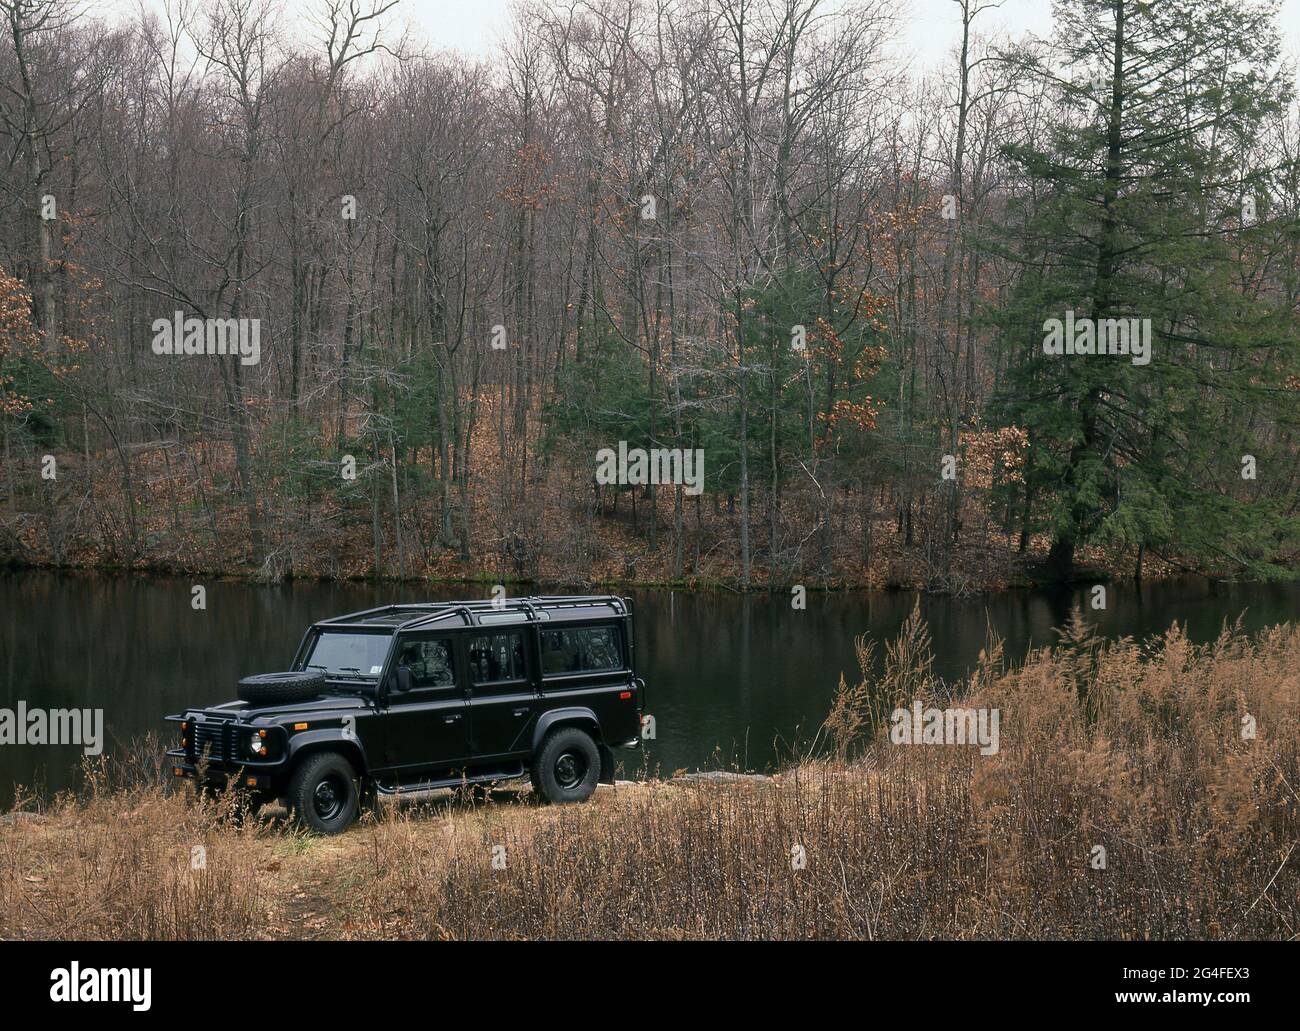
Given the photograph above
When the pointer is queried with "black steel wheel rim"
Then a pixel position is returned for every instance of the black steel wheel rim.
(570, 769)
(329, 797)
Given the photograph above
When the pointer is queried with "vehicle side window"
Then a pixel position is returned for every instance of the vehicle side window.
(586, 649)
(561, 652)
(430, 661)
(494, 657)
(600, 649)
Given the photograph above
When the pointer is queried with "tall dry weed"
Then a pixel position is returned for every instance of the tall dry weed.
(1141, 790)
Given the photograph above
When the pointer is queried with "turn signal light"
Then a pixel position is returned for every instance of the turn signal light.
(300, 726)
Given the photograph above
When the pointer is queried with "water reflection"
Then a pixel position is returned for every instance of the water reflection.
(732, 678)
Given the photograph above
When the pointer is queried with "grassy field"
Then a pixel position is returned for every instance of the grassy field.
(1134, 747)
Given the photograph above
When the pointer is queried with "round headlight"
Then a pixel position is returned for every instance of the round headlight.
(255, 744)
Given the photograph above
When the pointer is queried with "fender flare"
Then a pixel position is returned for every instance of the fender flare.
(328, 739)
(578, 716)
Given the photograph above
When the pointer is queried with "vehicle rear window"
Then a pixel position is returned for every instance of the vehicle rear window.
(494, 657)
(581, 650)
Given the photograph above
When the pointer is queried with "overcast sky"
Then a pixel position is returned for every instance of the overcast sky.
(473, 25)
(928, 34)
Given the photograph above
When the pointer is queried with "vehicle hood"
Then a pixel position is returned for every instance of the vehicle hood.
(248, 711)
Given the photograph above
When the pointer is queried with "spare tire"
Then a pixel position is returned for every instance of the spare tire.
(271, 688)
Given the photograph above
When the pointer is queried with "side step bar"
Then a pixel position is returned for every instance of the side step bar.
(483, 777)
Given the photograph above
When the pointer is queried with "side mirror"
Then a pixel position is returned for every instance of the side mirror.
(402, 679)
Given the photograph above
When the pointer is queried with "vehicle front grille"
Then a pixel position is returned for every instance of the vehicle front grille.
(213, 739)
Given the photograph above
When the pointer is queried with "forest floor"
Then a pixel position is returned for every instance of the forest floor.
(1126, 800)
(550, 526)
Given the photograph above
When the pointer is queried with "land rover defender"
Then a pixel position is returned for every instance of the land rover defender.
(408, 698)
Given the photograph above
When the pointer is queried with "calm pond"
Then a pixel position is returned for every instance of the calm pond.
(733, 679)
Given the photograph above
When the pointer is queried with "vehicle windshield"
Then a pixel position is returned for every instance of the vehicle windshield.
(350, 654)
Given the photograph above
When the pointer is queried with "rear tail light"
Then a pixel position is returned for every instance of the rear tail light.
(624, 695)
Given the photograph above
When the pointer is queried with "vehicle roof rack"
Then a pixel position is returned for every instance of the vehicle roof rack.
(531, 609)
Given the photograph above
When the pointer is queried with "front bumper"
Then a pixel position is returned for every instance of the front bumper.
(219, 776)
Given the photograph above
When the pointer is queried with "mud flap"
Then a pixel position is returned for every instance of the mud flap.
(606, 764)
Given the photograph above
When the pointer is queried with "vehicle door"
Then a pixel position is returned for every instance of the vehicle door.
(503, 698)
(427, 726)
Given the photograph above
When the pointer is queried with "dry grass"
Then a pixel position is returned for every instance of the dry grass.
(1136, 748)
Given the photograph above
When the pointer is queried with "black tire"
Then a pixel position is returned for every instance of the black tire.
(567, 766)
(273, 688)
(324, 794)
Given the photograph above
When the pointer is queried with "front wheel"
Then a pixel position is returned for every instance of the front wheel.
(324, 794)
(567, 766)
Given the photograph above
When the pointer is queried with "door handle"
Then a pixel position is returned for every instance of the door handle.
(521, 712)
(451, 719)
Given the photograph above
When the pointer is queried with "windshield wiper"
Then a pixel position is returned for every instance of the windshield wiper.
(323, 669)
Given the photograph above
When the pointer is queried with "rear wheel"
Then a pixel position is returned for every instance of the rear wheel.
(567, 766)
(324, 793)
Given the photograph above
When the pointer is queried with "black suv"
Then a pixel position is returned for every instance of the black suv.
(408, 698)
